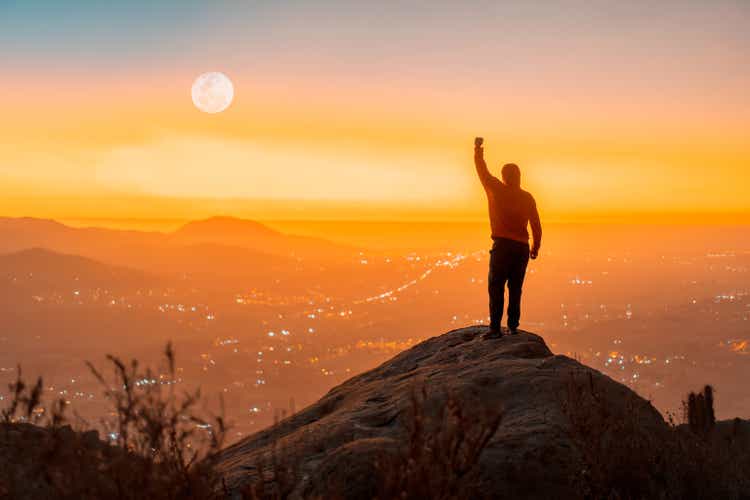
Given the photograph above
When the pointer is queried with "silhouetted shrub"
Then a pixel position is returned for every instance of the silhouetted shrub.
(623, 460)
(440, 459)
(159, 447)
(618, 454)
(698, 411)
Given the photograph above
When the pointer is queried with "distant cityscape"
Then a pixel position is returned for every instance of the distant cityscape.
(663, 324)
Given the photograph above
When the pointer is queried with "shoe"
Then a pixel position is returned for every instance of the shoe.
(513, 331)
(493, 334)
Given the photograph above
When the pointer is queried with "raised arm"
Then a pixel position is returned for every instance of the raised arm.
(536, 230)
(485, 176)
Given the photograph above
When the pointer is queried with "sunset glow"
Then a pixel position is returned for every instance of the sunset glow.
(642, 112)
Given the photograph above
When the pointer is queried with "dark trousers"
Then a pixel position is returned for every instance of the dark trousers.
(508, 261)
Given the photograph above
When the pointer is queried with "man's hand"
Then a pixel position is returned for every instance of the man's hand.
(534, 253)
(488, 180)
(478, 149)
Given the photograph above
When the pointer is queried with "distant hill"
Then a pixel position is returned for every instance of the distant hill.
(224, 230)
(106, 245)
(250, 234)
(207, 244)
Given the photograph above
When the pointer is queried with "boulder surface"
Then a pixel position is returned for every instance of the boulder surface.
(522, 410)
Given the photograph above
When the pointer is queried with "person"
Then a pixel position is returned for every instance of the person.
(511, 210)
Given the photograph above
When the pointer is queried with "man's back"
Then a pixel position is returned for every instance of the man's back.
(511, 208)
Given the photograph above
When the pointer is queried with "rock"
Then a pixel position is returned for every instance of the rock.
(90, 439)
(533, 405)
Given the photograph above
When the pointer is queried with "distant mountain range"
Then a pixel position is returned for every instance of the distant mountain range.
(218, 245)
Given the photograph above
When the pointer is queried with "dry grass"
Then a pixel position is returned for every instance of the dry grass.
(440, 460)
(622, 459)
(159, 444)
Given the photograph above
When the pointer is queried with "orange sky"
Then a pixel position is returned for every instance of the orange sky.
(386, 131)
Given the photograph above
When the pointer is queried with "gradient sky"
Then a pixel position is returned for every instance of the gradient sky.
(348, 109)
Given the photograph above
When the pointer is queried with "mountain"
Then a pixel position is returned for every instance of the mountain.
(27, 232)
(452, 391)
(250, 234)
(224, 230)
(220, 245)
(109, 246)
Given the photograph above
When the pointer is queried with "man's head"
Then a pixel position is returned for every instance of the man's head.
(511, 175)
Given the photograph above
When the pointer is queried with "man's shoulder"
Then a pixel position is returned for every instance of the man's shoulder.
(496, 186)
(527, 195)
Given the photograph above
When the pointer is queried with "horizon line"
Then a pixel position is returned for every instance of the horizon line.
(642, 218)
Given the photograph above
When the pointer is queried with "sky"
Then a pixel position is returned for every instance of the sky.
(348, 109)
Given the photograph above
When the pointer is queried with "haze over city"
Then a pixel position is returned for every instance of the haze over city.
(254, 312)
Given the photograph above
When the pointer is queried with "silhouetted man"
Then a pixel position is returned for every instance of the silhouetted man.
(511, 210)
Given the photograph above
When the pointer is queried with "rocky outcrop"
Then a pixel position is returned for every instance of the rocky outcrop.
(534, 406)
(457, 416)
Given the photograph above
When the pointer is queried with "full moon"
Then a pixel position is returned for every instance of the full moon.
(212, 92)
